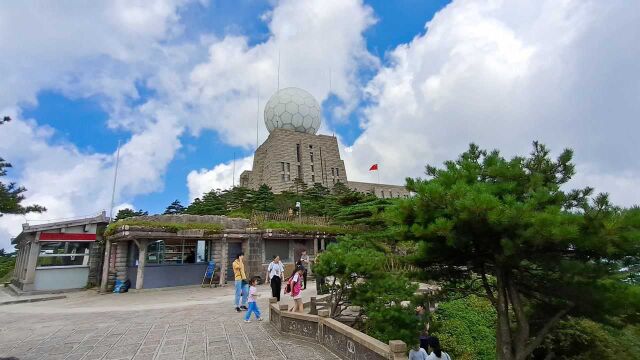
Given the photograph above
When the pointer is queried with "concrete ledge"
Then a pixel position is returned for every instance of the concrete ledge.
(342, 340)
(369, 342)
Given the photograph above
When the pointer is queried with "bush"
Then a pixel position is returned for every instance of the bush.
(579, 338)
(6, 266)
(466, 328)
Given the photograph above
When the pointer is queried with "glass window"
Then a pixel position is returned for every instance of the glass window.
(298, 152)
(278, 247)
(313, 178)
(311, 168)
(337, 171)
(176, 252)
(311, 155)
(64, 253)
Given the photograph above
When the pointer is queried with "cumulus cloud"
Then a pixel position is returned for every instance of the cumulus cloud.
(502, 74)
(106, 50)
(221, 176)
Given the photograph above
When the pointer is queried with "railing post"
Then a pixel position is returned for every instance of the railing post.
(398, 349)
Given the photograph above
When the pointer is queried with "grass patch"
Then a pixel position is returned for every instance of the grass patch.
(306, 228)
(167, 227)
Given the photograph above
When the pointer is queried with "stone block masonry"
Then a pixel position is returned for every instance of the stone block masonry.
(288, 155)
(342, 340)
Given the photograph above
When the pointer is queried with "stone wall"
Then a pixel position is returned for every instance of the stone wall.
(345, 342)
(122, 251)
(96, 254)
(380, 190)
(253, 257)
(319, 161)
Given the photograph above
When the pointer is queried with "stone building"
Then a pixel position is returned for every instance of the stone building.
(153, 256)
(59, 256)
(293, 150)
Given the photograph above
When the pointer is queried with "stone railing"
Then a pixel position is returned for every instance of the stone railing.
(342, 340)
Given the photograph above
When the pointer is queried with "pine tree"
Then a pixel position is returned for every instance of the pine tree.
(299, 186)
(127, 213)
(211, 204)
(539, 253)
(12, 195)
(175, 208)
(264, 199)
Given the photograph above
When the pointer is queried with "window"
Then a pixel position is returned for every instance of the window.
(310, 146)
(288, 167)
(333, 172)
(176, 252)
(299, 172)
(313, 178)
(278, 247)
(311, 155)
(64, 253)
(282, 165)
(282, 176)
(337, 171)
(312, 168)
(298, 152)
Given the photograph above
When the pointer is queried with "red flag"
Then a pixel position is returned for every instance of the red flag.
(373, 167)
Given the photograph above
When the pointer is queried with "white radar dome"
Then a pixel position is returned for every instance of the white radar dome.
(294, 109)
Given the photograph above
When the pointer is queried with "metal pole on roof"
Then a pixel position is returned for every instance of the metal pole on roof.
(115, 177)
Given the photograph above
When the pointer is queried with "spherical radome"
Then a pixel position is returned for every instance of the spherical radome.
(294, 109)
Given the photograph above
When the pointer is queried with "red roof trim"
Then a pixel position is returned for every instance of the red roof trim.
(66, 237)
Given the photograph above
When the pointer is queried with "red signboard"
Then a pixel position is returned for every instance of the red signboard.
(66, 237)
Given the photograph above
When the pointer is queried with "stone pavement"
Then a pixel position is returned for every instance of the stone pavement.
(74, 329)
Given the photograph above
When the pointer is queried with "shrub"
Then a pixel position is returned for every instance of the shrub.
(466, 328)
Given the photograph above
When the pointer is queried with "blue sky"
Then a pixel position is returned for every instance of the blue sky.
(84, 122)
(177, 82)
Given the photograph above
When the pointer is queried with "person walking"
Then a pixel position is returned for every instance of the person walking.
(242, 286)
(434, 347)
(304, 261)
(253, 304)
(417, 353)
(296, 289)
(275, 272)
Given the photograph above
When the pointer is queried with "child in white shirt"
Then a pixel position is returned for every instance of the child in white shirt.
(253, 305)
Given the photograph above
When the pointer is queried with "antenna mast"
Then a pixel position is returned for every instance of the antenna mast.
(234, 170)
(258, 117)
(115, 177)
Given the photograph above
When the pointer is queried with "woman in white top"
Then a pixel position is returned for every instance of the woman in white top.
(434, 346)
(274, 276)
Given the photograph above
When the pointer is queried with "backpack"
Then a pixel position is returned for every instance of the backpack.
(288, 287)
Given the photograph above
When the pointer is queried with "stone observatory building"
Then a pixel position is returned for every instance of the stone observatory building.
(294, 150)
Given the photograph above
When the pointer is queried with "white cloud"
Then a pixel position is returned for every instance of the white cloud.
(502, 74)
(220, 177)
(104, 49)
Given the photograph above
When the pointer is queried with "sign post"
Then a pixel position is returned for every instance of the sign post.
(208, 274)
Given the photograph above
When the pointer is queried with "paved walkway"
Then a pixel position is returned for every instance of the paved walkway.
(187, 323)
